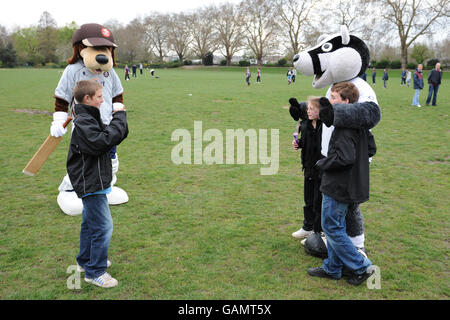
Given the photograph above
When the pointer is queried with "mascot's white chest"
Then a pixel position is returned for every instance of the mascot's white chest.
(108, 79)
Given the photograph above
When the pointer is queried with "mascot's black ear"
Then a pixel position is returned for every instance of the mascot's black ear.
(326, 113)
(294, 109)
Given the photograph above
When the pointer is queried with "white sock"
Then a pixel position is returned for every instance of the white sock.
(358, 241)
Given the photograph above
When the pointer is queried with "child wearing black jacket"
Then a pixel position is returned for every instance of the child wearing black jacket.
(310, 143)
(345, 181)
(90, 171)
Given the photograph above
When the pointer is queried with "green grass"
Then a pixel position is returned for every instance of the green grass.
(220, 231)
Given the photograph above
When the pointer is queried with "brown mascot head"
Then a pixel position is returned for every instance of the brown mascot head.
(94, 44)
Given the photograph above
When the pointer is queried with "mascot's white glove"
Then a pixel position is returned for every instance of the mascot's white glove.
(117, 106)
(56, 129)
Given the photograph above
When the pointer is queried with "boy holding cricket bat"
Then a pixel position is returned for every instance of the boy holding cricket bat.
(90, 171)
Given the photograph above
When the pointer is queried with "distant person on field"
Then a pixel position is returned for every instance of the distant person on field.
(258, 76)
(374, 74)
(385, 78)
(141, 68)
(289, 76)
(294, 74)
(134, 68)
(403, 81)
(408, 78)
(364, 76)
(434, 81)
(247, 76)
(127, 73)
(418, 85)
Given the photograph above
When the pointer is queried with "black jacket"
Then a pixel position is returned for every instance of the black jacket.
(88, 162)
(346, 168)
(310, 140)
(311, 143)
(435, 77)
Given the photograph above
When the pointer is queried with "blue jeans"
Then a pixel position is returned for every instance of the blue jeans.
(432, 89)
(341, 251)
(95, 235)
(415, 101)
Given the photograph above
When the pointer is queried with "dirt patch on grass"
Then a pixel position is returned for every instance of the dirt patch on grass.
(444, 160)
(33, 111)
(285, 107)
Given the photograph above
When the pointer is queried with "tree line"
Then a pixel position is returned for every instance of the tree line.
(255, 29)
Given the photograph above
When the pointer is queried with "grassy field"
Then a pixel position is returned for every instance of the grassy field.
(221, 231)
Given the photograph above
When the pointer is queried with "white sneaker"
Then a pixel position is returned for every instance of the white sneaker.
(419, 106)
(104, 281)
(81, 269)
(362, 252)
(299, 234)
(303, 242)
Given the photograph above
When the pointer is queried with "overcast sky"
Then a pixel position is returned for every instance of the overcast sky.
(24, 13)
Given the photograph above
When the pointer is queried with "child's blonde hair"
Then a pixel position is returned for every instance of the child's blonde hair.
(85, 87)
(314, 101)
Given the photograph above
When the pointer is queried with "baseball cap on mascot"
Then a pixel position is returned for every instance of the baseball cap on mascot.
(98, 42)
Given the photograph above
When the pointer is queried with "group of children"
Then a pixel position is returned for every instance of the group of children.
(405, 77)
(334, 183)
(248, 76)
(134, 68)
(291, 74)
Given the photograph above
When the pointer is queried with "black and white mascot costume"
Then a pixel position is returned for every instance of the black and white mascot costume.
(337, 58)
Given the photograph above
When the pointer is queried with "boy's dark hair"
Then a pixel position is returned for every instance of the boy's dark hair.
(85, 87)
(346, 90)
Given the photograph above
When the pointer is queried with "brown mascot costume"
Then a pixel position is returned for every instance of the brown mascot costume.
(92, 59)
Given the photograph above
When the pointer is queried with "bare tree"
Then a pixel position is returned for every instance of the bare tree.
(229, 30)
(294, 18)
(156, 30)
(179, 35)
(413, 18)
(131, 42)
(47, 36)
(4, 36)
(204, 35)
(261, 27)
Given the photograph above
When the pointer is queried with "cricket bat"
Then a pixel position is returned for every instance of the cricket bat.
(43, 153)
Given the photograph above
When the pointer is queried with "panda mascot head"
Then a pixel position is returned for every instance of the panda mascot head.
(336, 58)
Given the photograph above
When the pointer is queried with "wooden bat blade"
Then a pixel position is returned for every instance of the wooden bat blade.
(41, 155)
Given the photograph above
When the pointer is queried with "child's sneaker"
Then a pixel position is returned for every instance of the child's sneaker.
(299, 234)
(81, 269)
(104, 281)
